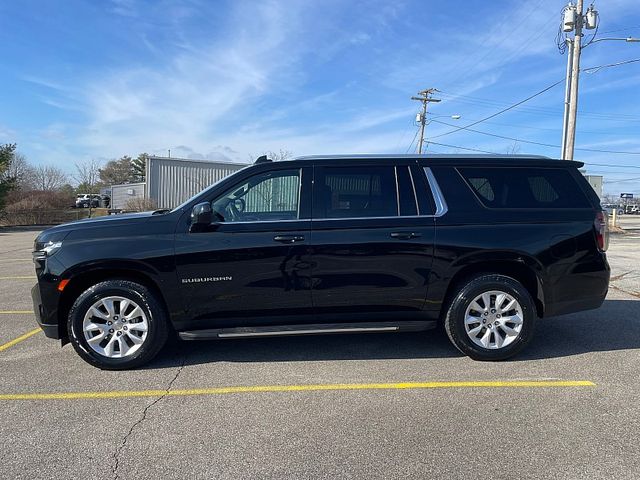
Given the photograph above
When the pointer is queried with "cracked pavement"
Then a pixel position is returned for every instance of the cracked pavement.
(116, 454)
(543, 433)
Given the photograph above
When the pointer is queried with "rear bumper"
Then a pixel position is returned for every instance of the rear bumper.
(580, 291)
(50, 330)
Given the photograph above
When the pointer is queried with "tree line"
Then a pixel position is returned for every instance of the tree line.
(25, 186)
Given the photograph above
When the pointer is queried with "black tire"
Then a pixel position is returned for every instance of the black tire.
(157, 324)
(455, 316)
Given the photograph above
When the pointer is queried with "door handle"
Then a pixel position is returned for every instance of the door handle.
(288, 238)
(405, 235)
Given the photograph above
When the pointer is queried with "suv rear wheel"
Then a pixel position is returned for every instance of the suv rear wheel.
(117, 324)
(491, 317)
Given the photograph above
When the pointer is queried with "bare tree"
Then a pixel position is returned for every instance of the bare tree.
(22, 172)
(48, 178)
(87, 175)
(279, 155)
(140, 204)
(513, 149)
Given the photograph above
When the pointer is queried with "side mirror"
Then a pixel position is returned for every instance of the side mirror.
(202, 214)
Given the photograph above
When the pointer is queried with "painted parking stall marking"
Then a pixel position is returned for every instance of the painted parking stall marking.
(21, 338)
(299, 388)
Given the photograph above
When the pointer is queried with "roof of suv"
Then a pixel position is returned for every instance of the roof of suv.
(458, 159)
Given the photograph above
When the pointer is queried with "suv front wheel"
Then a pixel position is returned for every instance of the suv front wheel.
(117, 324)
(491, 317)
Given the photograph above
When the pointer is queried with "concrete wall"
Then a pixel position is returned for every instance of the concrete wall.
(121, 194)
(171, 181)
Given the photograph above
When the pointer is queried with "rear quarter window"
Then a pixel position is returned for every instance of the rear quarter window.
(514, 187)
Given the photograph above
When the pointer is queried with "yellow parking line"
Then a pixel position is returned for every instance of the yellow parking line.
(20, 277)
(295, 388)
(21, 338)
(15, 312)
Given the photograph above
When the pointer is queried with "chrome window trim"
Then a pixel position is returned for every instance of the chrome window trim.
(441, 207)
(255, 222)
(438, 198)
(370, 218)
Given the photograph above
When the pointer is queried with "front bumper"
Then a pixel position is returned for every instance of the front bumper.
(50, 330)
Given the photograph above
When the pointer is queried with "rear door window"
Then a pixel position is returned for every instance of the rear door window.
(355, 192)
(514, 187)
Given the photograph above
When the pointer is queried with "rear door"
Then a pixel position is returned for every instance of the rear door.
(372, 245)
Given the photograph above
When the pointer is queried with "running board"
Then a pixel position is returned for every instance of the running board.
(310, 329)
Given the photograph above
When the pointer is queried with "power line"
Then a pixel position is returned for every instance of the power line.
(511, 107)
(483, 102)
(488, 53)
(600, 67)
(626, 29)
(625, 180)
(537, 143)
(498, 136)
(414, 139)
(501, 111)
(611, 165)
(404, 133)
(461, 148)
(555, 129)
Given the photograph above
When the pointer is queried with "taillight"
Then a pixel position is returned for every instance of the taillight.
(602, 231)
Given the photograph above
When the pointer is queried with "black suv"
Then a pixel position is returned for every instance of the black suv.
(484, 245)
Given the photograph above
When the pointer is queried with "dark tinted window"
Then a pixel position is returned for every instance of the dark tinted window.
(525, 187)
(342, 192)
(423, 191)
(405, 190)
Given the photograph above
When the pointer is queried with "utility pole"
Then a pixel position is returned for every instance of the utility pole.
(574, 20)
(567, 96)
(575, 76)
(425, 98)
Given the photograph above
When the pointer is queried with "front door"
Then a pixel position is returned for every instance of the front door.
(252, 266)
(372, 251)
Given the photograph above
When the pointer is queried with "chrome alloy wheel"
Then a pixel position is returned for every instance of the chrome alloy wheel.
(115, 327)
(493, 320)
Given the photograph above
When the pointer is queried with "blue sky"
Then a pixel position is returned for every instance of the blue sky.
(232, 79)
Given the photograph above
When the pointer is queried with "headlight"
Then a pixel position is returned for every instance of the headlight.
(46, 250)
(46, 247)
(51, 247)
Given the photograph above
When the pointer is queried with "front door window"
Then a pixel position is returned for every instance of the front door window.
(269, 196)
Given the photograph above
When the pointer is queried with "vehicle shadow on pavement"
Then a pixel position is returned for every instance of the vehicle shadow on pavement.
(432, 344)
(614, 326)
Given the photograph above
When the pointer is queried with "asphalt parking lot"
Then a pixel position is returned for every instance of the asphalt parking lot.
(347, 406)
